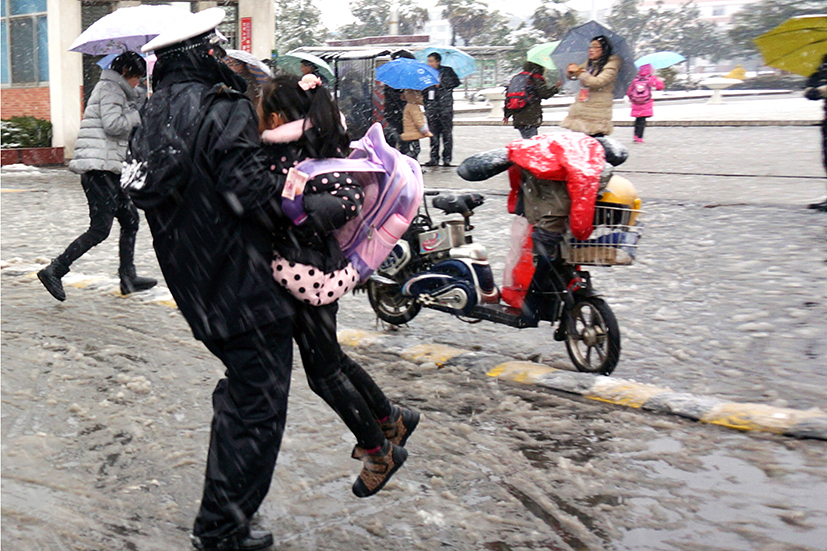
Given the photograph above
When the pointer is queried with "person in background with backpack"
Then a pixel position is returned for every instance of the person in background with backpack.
(522, 99)
(299, 120)
(640, 96)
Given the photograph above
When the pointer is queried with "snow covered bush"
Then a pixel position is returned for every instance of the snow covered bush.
(26, 132)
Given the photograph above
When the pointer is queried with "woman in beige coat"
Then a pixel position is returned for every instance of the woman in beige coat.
(414, 123)
(591, 112)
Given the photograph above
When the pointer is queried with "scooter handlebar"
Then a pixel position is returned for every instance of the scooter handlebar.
(483, 166)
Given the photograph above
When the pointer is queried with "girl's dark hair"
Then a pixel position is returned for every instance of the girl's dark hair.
(534, 68)
(596, 66)
(324, 135)
(129, 64)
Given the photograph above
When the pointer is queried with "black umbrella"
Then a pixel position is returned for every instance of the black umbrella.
(574, 48)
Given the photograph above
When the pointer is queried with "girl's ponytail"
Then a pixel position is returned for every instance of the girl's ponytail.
(328, 130)
(292, 99)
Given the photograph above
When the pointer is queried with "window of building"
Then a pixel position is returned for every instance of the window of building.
(229, 27)
(24, 42)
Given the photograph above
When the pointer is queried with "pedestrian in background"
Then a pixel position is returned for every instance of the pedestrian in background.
(393, 110)
(109, 117)
(640, 96)
(528, 112)
(591, 112)
(415, 124)
(310, 68)
(212, 203)
(439, 108)
(816, 89)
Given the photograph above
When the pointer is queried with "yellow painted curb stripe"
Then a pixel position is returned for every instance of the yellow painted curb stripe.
(748, 416)
(624, 393)
(437, 353)
(521, 372)
(357, 337)
(6, 190)
(83, 282)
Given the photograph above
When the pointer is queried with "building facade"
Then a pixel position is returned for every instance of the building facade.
(42, 78)
(719, 12)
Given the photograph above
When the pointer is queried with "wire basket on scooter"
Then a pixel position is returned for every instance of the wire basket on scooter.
(613, 242)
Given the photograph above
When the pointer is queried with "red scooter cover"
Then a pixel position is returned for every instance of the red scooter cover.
(577, 159)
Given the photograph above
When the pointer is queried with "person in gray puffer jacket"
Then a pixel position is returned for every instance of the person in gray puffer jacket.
(110, 116)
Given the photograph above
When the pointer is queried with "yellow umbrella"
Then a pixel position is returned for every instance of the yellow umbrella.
(797, 45)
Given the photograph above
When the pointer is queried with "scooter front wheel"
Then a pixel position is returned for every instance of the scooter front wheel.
(592, 336)
(390, 304)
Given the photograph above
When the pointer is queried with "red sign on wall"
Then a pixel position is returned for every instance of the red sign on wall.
(246, 34)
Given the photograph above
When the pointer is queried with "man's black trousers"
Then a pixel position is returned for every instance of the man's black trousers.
(249, 412)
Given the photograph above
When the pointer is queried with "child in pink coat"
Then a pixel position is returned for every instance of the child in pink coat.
(642, 109)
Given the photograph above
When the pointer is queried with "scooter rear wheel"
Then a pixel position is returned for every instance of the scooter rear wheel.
(592, 336)
(390, 304)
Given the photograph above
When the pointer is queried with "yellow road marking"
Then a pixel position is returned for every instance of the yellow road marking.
(521, 372)
(437, 353)
(624, 393)
(357, 337)
(749, 416)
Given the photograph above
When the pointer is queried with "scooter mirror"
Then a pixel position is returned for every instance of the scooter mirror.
(616, 152)
(484, 165)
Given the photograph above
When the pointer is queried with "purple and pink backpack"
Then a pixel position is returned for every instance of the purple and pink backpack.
(393, 187)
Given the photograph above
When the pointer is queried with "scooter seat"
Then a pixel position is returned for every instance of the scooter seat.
(464, 203)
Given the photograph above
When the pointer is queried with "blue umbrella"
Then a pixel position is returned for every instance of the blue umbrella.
(256, 67)
(660, 60)
(574, 48)
(462, 63)
(407, 73)
(107, 60)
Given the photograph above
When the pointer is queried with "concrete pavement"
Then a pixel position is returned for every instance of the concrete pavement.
(739, 108)
(775, 109)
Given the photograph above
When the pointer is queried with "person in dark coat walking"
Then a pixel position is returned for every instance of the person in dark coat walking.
(212, 203)
(816, 89)
(528, 120)
(108, 119)
(439, 108)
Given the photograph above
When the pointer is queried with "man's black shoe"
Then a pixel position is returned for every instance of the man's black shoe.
(431, 163)
(447, 163)
(254, 541)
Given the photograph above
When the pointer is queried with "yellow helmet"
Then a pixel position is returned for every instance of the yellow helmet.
(618, 200)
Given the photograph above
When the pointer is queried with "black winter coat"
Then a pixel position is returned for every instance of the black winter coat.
(532, 114)
(211, 201)
(443, 95)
